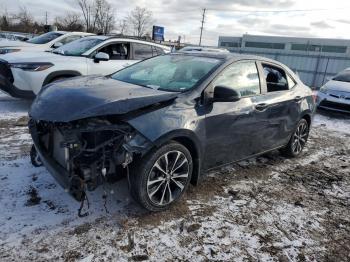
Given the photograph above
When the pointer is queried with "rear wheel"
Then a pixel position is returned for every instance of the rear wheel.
(298, 140)
(162, 176)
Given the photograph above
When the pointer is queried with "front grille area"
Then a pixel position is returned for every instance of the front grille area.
(5, 71)
(343, 95)
(338, 106)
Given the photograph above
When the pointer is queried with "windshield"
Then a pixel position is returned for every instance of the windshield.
(78, 47)
(44, 38)
(176, 73)
(343, 77)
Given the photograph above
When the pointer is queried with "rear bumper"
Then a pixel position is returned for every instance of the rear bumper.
(7, 87)
(56, 170)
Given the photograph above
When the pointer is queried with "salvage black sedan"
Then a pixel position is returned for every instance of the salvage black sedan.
(166, 121)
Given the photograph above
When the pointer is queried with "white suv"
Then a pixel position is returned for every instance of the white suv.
(24, 74)
(44, 42)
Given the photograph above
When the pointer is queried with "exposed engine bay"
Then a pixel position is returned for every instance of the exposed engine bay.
(87, 152)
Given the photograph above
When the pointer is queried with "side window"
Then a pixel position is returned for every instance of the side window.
(69, 39)
(157, 51)
(116, 51)
(142, 51)
(241, 76)
(276, 78)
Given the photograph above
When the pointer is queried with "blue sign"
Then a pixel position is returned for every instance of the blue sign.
(158, 33)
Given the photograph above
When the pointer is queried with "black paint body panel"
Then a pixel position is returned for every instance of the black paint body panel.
(221, 132)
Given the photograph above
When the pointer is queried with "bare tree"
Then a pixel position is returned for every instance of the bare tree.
(98, 15)
(140, 19)
(104, 14)
(123, 27)
(70, 22)
(24, 19)
(87, 8)
(5, 20)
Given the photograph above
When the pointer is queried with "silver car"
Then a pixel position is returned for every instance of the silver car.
(335, 94)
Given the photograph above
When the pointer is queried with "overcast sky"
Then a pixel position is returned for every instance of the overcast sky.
(328, 19)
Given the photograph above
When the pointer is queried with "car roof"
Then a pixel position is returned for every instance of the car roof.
(227, 56)
(130, 39)
(204, 49)
(74, 32)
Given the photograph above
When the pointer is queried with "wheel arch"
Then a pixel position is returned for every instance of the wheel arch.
(307, 116)
(61, 73)
(188, 139)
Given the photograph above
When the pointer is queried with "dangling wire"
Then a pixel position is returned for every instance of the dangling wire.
(85, 198)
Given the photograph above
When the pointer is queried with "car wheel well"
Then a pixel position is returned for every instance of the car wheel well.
(60, 77)
(308, 119)
(190, 145)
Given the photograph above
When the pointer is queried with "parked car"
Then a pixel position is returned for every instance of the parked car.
(13, 37)
(44, 42)
(168, 119)
(203, 49)
(335, 94)
(24, 74)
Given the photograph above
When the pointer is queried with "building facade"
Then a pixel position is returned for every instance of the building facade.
(314, 59)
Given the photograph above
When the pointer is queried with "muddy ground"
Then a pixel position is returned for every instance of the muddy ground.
(266, 209)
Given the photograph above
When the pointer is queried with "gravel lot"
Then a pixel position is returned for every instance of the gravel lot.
(267, 209)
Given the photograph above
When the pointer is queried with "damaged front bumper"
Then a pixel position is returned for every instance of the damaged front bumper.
(82, 155)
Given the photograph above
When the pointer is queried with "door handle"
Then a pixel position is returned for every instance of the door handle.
(261, 107)
(298, 98)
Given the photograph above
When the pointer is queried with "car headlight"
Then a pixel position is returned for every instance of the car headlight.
(323, 90)
(32, 66)
(4, 51)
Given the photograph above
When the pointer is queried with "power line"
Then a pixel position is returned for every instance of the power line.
(203, 18)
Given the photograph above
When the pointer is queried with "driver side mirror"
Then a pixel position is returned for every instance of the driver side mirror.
(226, 94)
(57, 45)
(101, 56)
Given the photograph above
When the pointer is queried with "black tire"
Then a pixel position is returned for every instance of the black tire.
(298, 140)
(34, 157)
(170, 186)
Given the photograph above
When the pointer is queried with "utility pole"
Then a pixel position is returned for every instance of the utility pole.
(203, 18)
(46, 17)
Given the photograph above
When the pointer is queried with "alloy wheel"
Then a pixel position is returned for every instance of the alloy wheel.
(300, 137)
(168, 178)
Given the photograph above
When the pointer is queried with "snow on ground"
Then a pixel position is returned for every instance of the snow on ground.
(268, 208)
(335, 122)
(12, 107)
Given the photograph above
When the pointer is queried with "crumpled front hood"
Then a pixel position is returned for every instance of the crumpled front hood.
(338, 86)
(92, 96)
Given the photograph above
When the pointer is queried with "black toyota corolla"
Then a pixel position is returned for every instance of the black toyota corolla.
(166, 121)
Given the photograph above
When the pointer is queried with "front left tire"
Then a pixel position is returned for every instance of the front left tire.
(159, 179)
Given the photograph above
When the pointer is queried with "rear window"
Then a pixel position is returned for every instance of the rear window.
(45, 38)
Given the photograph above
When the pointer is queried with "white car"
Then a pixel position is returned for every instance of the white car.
(44, 42)
(335, 94)
(24, 74)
